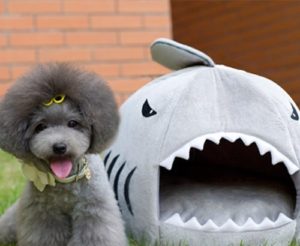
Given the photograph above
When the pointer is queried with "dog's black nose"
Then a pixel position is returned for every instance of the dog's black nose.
(59, 148)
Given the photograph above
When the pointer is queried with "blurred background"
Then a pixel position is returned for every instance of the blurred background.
(112, 37)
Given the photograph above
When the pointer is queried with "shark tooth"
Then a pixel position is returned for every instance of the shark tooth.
(230, 225)
(291, 167)
(262, 148)
(175, 220)
(168, 163)
(247, 139)
(231, 137)
(198, 143)
(183, 152)
(276, 158)
(250, 225)
(282, 220)
(214, 138)
(266, 224)
(193, 224)
(210, 226)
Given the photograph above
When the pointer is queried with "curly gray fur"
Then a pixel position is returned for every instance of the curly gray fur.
(80, 213)
(86, 89)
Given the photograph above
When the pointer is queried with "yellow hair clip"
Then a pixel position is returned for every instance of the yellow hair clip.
(58, 99)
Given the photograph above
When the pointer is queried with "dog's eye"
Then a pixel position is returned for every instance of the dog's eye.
(40, 127)
(72, 123)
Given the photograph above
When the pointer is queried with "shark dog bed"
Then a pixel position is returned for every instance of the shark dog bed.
(207, 155)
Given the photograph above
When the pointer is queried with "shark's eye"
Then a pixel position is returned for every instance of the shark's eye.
(147, 111)
(294, 115)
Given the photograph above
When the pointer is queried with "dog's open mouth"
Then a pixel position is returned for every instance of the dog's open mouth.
(61, 168)
(227, 182)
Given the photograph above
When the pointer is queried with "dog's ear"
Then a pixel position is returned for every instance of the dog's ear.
(104, 126)
(100, 110)
(103, 131)
(13, 130)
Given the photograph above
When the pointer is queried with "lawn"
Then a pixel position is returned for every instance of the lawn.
(12, 182)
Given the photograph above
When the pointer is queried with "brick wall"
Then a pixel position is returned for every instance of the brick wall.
(258, 36)
(110, 37)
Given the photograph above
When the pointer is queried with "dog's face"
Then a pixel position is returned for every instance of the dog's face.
(58, 136)
(54, 137)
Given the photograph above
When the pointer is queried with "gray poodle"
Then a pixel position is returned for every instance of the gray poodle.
(55, 119)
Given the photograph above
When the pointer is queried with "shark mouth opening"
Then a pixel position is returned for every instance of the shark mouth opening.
(227, 182)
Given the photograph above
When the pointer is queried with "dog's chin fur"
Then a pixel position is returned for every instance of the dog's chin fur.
(80, 213)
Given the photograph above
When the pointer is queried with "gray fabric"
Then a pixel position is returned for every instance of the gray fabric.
(190, 103)
(217, 201)
(279, 236)
(176, 56)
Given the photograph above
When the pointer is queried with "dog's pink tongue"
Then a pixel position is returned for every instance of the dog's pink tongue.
(61, 168)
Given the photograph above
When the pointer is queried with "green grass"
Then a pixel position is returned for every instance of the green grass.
(11, 180)
(12, 183)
